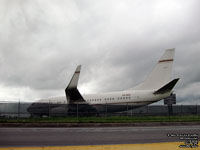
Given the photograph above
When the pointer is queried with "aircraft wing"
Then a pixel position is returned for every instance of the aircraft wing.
(72, 93)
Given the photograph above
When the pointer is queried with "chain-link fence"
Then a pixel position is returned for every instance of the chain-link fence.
(24, 110)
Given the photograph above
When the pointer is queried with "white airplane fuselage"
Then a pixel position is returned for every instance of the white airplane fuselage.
(105, 102)
(124, 97)
(136, 98)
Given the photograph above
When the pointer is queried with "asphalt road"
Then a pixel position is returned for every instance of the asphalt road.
(22, 137)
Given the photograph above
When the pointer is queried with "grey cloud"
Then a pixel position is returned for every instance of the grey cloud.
(117, 42)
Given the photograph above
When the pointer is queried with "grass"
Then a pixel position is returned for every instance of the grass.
(116, 119)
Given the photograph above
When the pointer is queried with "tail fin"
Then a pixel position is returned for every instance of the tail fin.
(161, 73)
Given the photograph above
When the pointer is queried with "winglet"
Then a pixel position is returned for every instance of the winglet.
(74, 81)
(168, 87)
(72, 93)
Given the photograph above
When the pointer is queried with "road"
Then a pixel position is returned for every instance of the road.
(22, 137)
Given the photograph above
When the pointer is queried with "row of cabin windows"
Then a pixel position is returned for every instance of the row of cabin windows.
(124, 98)
(106, 99)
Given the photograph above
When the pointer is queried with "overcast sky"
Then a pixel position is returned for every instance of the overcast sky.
(117, 42)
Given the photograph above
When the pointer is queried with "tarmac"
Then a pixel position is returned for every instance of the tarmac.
(155, 137)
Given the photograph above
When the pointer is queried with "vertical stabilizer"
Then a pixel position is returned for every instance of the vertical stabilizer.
(161, 73)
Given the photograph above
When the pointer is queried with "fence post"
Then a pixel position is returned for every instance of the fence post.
(19, 109)
(182, 109)
(147, 110)
(49, 110)
(132, 111)
(127, 109)
(196, 110)
(106, 109)
(77, 110)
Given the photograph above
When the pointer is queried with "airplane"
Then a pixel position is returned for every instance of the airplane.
(155, 87)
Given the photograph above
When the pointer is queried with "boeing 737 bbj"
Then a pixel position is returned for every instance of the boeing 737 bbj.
(155, 87)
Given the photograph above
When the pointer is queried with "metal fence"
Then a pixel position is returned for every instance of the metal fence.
(21, 110)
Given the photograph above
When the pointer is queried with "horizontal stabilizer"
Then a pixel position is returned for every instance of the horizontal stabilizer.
(168, 87)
